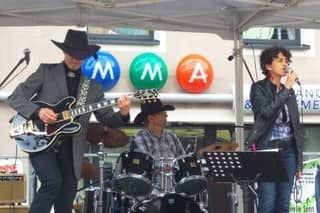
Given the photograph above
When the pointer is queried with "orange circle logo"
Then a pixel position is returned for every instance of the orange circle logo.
(194, 73)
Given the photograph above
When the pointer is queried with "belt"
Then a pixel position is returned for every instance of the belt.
(282, 143)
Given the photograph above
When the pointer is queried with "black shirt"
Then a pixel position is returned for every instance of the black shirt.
(73, 79)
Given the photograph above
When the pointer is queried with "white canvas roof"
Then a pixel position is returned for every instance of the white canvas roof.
(222, 17)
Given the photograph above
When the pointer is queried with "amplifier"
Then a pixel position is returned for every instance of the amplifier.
(13, 209)
(12, 188)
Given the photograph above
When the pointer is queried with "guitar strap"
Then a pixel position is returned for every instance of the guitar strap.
(83, 92)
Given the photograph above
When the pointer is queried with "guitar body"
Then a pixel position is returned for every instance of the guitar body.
(41, 137)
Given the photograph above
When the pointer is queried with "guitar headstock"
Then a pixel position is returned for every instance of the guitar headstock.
(146, 94)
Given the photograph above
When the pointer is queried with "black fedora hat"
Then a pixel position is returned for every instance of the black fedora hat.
(76, 44)
(149, 107)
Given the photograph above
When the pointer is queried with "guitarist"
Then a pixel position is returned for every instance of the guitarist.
(59, 167)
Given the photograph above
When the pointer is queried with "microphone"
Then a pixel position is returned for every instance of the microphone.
(27, 52)
(289, 69)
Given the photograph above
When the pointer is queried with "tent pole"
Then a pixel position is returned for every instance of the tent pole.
(240, 205)
(239, 91)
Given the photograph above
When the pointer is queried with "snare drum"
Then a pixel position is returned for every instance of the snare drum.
(188, 175)
(168, 203)
(133, 173)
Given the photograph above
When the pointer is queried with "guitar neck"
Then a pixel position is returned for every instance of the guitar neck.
(81, 110)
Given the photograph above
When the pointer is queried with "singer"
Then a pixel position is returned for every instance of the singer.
(276, 125)
(59, 168)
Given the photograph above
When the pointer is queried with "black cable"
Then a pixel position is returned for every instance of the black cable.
(301, 108)
(237, 53)
(3, 85)
(297, 193)
(254, 60)
(297, 184)
(12, 71)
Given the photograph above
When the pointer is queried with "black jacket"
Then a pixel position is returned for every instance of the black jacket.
(266, 104)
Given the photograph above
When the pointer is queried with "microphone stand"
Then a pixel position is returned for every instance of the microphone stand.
(237, 53)
(11, 72)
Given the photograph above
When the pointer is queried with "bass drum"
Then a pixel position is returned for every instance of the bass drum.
(168, 203)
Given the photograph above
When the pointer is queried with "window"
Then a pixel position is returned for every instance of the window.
(269, 36)
(123, 36)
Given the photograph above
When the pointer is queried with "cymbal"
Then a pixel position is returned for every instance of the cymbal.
(110, 137)
(89, 171)
(220, 146)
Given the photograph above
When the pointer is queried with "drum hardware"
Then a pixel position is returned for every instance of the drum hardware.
(167, 181)
(89, 206)
(202, 199)
(89, 201)
(170, 202)
(101, 155)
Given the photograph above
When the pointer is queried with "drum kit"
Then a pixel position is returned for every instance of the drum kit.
(181, 185)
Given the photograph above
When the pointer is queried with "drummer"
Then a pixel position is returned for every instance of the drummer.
(153, 139)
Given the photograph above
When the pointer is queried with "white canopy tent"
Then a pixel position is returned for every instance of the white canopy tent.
(223, 17)
(227, 18)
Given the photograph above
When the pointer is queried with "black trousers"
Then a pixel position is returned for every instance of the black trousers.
(58, 183)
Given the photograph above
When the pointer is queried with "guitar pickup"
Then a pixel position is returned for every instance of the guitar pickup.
(66, 115)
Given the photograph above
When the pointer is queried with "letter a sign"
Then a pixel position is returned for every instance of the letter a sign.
(194, 73)
(147, 71)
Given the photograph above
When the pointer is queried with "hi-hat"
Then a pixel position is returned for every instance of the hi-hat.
(89, 171)
(219, 146)
(110, 137)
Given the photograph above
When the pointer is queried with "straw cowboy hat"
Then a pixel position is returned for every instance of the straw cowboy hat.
(76, 45)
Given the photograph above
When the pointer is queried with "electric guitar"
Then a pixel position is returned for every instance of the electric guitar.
(35, 136)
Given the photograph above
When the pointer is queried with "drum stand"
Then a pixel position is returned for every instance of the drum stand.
(100, 155)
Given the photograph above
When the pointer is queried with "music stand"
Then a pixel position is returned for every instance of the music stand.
(245, 168)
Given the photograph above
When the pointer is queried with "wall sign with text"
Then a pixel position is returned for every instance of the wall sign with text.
(308, 98)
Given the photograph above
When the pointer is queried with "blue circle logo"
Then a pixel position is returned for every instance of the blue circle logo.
(104, 68)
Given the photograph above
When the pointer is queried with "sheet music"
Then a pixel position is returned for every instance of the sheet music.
(269, 150)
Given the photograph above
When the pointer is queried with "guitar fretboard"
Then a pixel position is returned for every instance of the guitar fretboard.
(140, 94)
(92, 107)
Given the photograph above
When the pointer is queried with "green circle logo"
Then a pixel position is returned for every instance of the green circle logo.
(148, 70)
